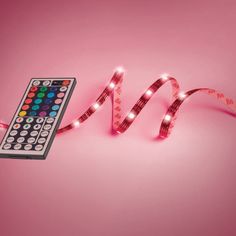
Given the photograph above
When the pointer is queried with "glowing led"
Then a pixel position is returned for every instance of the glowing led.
(165, 76)
(76, 123)
(96, 106)
(131, 115)
(112, 85)
(167, 117)
(120, 70)
(182, 95)
(148, 92)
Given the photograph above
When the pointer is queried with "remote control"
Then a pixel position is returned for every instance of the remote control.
(37, 118)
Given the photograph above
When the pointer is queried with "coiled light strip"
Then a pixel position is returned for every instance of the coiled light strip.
(113, 90)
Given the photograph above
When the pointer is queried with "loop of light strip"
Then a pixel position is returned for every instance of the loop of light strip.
(113, 90)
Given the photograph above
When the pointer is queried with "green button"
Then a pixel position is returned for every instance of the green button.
(41, 95)
(43, 89)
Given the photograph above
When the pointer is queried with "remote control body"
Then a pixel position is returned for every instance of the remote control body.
(35, 123)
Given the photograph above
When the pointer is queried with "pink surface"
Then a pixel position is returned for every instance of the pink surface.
(93, 183)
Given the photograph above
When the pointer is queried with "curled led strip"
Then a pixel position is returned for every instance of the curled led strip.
(113, 90)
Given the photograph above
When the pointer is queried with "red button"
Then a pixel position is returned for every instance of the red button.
(66, 82)
(28, 101)
(31, 95)
(25, 107)
(33, 89)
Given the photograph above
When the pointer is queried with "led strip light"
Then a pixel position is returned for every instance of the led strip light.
(113, 90)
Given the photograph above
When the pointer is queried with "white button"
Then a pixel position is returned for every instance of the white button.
(46, 83)
(19, 119)
(17, 146)
(34, 133)
(21, 140)
(63, 89)
(29, 120)
(40, 120)
(36, 83)
(16, 126)
(26, 126)
(31, 140)
(42, 140)
(50, 120)
(28, 147)
(36, 127)
(23, 133)
(44, 133)
(7, 146)
(10, 139)
(47, 127)
(13, 133)
(38, 147)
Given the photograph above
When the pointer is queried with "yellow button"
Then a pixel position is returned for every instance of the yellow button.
(22, 113)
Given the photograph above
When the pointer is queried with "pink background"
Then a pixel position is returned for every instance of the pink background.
(95, 184)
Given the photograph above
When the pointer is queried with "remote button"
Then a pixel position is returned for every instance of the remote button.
(34, 133)
(10, 139)
(29, 120)
(36, 83)
(42, 113)
(17, 146)
(26, 126)
(22, 113)
(7, 146)
(25, 107)
(50, 120)
(47, 127)
(48, 101)
(43, 89)
(23, 133)
(63, 89)
(60, 95)
(45, 107)
(66, 82)
(37, 127)
(21, 140)
(31, 140)
(13, 133)
(53, 89)
(38, 101)
(40, 120)
(28, 101)
(38, 147)
(42, 140)
(51, 95)
(40, 95)
(44, 133)
(33, 89)
(16, 126)
(46, 83)
(33, 113)
(35, 107)
(28, 147)
(55, 107)
(52, 114)
(19, 119)
(58, 101)
(31, 95)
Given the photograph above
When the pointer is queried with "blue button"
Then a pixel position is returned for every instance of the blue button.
(33, 113)
(55, 107)
(48, 101)
(54, 89)
(38, 101)
(35, 107)
(52, 114)
(51, 95)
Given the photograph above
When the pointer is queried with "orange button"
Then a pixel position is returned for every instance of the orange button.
(66, 82)
(31, 95)
(25, 107)
(28, 101)
(22, 113)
